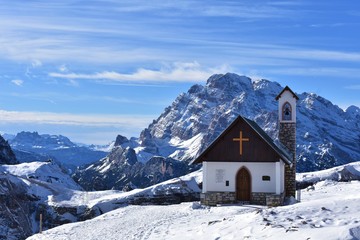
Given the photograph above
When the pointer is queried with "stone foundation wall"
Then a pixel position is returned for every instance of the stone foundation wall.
(214, 198)
(258, 198)
(273, 200)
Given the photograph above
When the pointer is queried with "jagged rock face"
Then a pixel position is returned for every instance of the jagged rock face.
(28, 189)
(121, 170)
(7, 156)
(120, 140)
(16, 207)
(326, 135)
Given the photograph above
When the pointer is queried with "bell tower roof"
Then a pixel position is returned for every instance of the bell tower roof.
(287, 89)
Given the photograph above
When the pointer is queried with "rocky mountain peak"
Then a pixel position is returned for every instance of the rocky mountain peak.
(353, 112)
(122, 156)
(30, 140)
(206, 111)
(120, 140)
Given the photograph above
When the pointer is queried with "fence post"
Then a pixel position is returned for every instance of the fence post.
(298, 195)
(40, 228)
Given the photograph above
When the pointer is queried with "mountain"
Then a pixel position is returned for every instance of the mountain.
(327, 136)
(121, 170)
(7, 156)
(31, 146)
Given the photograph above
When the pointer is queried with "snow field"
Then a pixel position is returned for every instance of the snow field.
(331, 211)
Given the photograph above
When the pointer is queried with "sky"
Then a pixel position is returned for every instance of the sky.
(90, 70)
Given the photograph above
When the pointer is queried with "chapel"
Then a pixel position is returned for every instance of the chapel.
(245, 165)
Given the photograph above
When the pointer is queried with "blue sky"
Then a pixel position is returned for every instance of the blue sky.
(93, 69)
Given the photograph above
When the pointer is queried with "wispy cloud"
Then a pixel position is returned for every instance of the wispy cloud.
(353, 87)
(177, 72)
(128, 121)
(17, 82)
(325, 71)
(58, 97)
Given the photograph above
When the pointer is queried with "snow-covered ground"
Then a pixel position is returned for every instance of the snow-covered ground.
(347, 172)
(330, 211)
(46, 172)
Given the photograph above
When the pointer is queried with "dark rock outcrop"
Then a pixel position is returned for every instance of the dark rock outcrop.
(7, 156)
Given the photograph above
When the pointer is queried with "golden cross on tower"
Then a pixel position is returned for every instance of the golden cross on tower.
(241, 140)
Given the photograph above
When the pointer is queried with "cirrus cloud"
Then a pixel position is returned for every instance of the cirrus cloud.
(134, 121)
(17, 82)
(176, 72)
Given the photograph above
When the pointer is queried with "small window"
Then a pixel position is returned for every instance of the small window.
(266, 178)
(227, 183)
(286, 114)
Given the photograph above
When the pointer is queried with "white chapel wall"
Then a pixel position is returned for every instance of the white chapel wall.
(217, 173)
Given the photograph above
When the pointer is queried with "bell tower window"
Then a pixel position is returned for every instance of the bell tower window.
(286, 112)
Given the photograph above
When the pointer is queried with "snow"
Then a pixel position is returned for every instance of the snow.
(186, 148)
(109, 200)
(142, 155)
(331, 211)
(47, 172)
(345, 172)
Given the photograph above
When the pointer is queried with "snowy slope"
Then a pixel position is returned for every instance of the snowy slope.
(42, 171)
(24, 193)
(344, 173)
(331, 211)
(28, 189)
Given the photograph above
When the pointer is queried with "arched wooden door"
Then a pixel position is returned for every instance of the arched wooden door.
(243, 185)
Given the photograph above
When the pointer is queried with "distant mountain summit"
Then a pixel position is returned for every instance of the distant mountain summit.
(327, 136)
(32, 146)
(32, 140)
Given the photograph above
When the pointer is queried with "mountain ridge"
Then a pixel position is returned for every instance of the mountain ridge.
(32, 146)
(327, 136)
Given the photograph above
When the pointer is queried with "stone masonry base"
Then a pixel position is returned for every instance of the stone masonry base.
(259, 198)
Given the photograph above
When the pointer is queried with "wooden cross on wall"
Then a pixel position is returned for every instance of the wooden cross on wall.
(241, 140)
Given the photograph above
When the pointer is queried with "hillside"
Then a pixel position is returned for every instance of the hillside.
(25, 190)
(329, 210)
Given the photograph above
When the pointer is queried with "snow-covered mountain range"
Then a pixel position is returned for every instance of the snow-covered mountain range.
(121, 170)
(32, 146)
(327, 136)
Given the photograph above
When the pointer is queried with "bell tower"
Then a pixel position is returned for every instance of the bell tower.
(287, 134)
